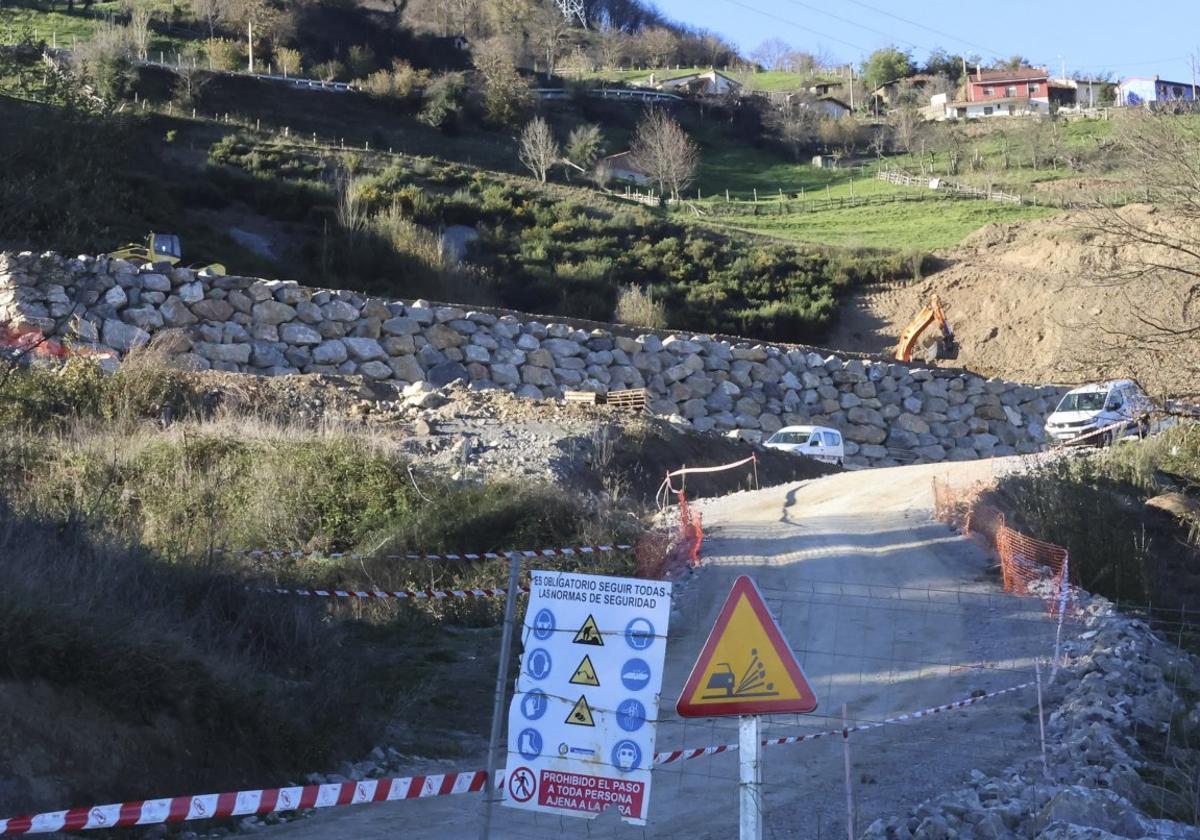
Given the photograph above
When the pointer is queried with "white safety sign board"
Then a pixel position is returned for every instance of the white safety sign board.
(582, 723)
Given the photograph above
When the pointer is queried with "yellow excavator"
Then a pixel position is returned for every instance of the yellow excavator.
(159, 248)
(915, 342)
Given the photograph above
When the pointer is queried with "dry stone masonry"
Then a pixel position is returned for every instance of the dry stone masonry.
(889, 413)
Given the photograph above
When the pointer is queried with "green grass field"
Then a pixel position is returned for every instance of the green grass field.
(912, 225)
(65, 31)
(741, 168)
(57, 28)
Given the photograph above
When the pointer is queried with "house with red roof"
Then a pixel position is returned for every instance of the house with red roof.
(1003, 93)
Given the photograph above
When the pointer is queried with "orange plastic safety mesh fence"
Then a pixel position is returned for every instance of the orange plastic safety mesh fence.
(691, 531)
(663, 553)
(1024, 560)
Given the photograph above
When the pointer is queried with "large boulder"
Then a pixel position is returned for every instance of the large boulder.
(121, 336)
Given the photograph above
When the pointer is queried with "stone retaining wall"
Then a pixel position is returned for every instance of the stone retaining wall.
(889, 413)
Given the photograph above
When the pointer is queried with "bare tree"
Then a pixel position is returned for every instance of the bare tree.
(658, 45)
(1150, 258)
(209, 13)
(538, 150)
(771, 54)
(190, 79)
(613, 45)
(795, 123)
(665, 152)
(905, 121)
(550, 36)
(141, 15)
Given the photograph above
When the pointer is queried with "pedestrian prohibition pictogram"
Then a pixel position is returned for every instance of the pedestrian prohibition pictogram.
(589, 634)
(746, 666)
(521, 784)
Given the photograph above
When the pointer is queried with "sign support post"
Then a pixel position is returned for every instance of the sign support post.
(493, 763)
(746, 669)
(750, 821)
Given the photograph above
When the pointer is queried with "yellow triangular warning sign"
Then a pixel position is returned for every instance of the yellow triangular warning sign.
(746, 666)
(589, 633)
(581, 713)
(585, 674)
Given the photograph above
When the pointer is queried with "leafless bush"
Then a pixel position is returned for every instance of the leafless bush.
(539, 150)
(638, 307)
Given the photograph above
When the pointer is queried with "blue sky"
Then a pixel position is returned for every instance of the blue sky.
(1124, 38)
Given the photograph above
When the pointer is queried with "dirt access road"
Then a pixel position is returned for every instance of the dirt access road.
(885, 608)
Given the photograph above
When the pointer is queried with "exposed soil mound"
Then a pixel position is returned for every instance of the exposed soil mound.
(1036, 302)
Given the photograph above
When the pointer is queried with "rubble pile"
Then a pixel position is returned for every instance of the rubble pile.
(1117, 718)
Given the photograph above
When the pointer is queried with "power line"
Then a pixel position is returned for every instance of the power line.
(816, 32)
(928, 28)
(889, 35)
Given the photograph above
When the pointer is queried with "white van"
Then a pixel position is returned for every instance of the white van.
(1090, 407)
(818, 442)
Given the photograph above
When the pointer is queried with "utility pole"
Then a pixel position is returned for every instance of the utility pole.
(250, 42)
(966, 77)
(850, 67)
(1193, 58)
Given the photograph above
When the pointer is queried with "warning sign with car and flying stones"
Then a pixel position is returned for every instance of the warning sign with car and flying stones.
(581, 725)
(746, 667)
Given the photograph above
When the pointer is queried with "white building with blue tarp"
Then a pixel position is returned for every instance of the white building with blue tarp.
(1144, 90)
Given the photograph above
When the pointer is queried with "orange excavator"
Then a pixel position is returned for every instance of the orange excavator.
(915, 342)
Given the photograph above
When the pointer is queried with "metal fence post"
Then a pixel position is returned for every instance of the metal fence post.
(510, 608)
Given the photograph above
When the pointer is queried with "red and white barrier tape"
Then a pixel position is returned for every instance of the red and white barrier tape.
(687, 470)
(274, 800)
(400, 594)
(666, 488)
(486, 555)
(245, 802)
(684, 755)
(1121, 424)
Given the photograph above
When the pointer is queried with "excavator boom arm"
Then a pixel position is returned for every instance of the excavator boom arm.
(931, 314)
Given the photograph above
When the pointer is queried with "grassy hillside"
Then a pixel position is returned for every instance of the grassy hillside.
(163, 667)
(923, 225)
(549, 249)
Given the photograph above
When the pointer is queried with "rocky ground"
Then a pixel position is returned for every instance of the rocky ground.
(1122, 749)
(465, 432)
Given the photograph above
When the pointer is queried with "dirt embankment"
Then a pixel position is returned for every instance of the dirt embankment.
(1043, 302)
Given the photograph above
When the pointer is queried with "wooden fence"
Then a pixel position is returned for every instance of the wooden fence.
(787, 206)
(650, 198)
(942, 185)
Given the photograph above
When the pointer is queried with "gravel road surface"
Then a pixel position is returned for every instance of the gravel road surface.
(888, 611)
